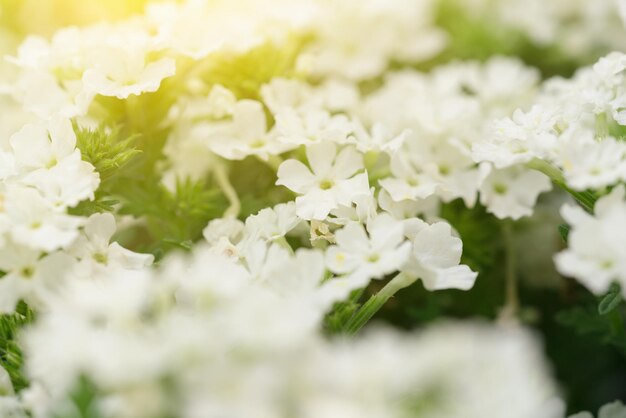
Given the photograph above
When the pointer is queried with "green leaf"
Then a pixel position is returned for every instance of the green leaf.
(173, 219)
(611, 300)
(105, 149)
(586, 321)
(100, 204)
(10, 352)
(564, 231)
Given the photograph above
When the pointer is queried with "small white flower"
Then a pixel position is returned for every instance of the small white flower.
(362, 209)
(35, 223)
(224, 235)
(123, 72)
(29, 276)
(273, 223)
(47, 158)
(408, 182)
(436, 255)
(408, 208)
(243, 135)
(597, 245)
(519, 139)
(332, 180)
(311, 126)
(591, 164)
(93, 249)
(223, 227)
(380, 250)
(38, 146)
(513, 192)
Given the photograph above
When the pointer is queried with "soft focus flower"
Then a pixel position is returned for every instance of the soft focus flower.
(331, 181)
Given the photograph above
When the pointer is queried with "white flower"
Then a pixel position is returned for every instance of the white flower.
(224, 236)
(436, 255)
(372, 254)
(223, 227)
(330, 182)
(47, 158)
(38, 146)
(377, 139)
(299, 279)
(408, 208)
(283, 94)
(362, 209)
(310, 126)
(245, 134)
(93, 249)
(596, 255)
(221, 102)
(122, 72)
(513, 192)
(197, 29)
(35, 223)
(29, 276)
(273, 223)
(42, 94)
(519, 139)
(357, 40)
(408, 182)
(591, 164)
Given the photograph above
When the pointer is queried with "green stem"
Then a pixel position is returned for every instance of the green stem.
(511, 304)
(229, 191)
(376, 302)
(586, 199)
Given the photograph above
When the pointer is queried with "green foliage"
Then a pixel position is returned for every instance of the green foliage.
(10, 352)
(171, 219)
(586, 321)
(245, 74)
(82, 402)
(130, 185)
(564, 232)
(255, 185)
(335, 320)
(480, 232)
(111, 154)
(471, 37)
(99, 205)
(480, 36)
(611, 300)
(106, 150)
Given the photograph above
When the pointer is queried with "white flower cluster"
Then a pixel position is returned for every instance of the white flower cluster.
(43, 176)
(574, 134)
(414, 134)
(367, 147)
(232, 330)
(573, 126)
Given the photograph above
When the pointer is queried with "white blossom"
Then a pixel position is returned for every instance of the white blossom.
(513, 192)
(595, 255)
(372, 254)
(331, 181)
